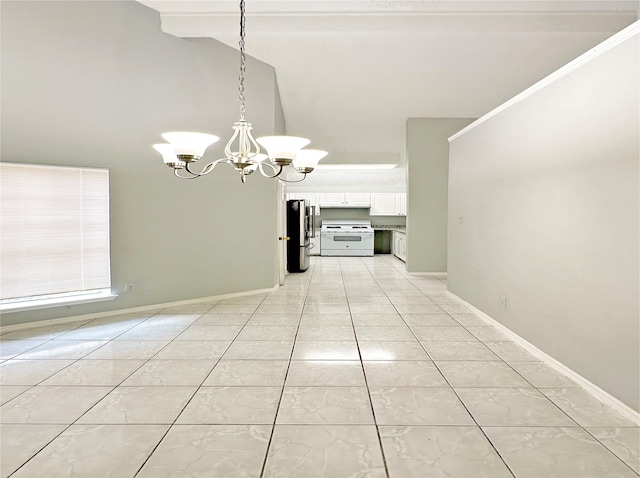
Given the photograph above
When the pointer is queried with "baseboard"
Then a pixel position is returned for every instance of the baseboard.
(436, 274)
(132, 310)
(590, 387)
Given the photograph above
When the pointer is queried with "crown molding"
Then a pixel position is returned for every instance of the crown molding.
(218, 19)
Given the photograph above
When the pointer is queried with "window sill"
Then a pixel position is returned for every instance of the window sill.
(60, 302)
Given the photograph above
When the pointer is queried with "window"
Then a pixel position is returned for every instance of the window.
(54, 234)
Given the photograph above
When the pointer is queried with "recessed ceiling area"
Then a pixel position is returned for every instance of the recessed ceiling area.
(351, 73)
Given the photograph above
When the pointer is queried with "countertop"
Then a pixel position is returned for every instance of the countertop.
(390, 228)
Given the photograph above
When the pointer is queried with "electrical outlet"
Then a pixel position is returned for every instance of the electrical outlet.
(129, 287)
(503, 301)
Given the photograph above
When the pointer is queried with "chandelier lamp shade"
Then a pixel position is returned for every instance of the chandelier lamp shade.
(242, 151)
(307, 159)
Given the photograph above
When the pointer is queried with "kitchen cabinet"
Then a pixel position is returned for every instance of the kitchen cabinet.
(381, 204)
(331, 199)
(345, 199)
(402, 204)
(399, 245)
(358, 199)
(311, 197)
(388, 204)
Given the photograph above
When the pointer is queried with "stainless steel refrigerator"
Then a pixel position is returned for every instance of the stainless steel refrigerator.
(300, 230)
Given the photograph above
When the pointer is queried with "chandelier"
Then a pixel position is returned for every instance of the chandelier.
(242, 151)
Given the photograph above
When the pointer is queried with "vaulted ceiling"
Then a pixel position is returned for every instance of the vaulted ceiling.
(351, 72)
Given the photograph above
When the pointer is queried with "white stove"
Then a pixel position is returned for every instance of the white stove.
(343, 237)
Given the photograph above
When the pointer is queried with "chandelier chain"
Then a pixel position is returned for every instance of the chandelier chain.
(242, 151)
(242, 62)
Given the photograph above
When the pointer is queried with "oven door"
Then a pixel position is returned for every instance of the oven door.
(346, 244)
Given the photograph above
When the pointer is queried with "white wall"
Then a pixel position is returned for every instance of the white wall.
(95, 84)
(549, 192)
(427, 179)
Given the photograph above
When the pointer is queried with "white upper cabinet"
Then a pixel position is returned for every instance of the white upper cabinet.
(383, 204)
(331, 199)
(388, 204)
(311, 197)
(402, 204)
(345, 199)
(358, 199)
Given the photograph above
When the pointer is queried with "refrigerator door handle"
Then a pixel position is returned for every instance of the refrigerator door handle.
(313, 221)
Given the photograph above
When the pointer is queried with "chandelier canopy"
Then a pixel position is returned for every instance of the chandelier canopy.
(242, 151)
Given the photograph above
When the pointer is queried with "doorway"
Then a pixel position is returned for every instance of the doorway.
(282, 232)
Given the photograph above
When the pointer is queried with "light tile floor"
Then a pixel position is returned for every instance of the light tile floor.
(352, 369)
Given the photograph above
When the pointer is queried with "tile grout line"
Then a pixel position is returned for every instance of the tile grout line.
(284, 382)
(173, 423)
(476, 422)
(460, 400)
(361, 270)
(366, 382)
(39, 450)
(501, 361)
(525, 379)
(608, 449)
(64, 368)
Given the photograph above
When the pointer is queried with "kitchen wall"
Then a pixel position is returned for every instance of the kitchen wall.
(354, 181)
(359, 213)
(94, 84)
(548, 191)
(428, 172)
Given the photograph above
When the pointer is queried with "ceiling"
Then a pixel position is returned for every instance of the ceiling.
(352, 72)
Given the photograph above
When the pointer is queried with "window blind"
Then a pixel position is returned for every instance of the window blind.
(54, 231)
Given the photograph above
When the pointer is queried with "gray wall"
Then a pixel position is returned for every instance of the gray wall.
(94, 84)
(548, 189)
(280, 122)
(427, 178)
